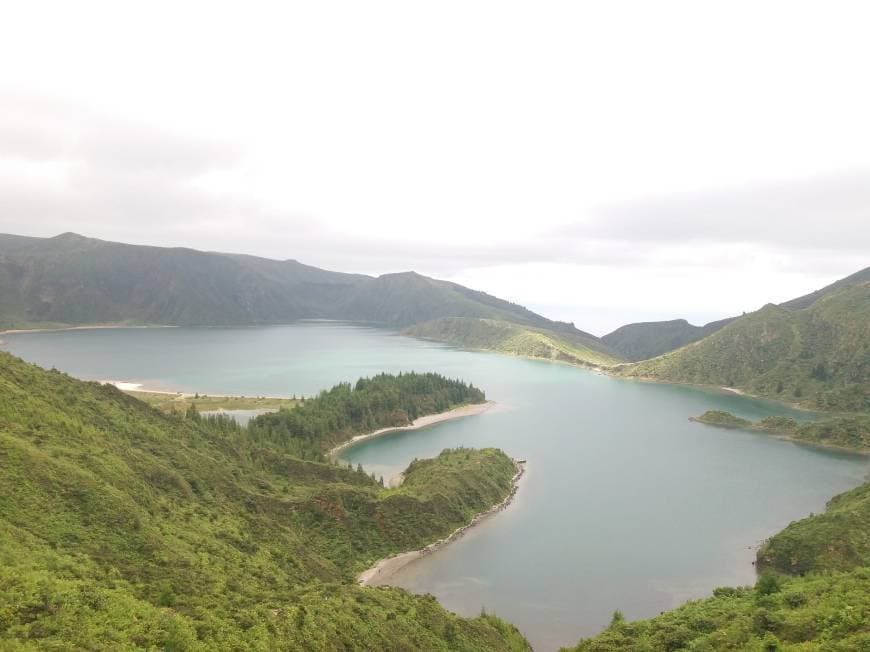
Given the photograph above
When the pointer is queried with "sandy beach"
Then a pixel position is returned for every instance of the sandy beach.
(383, 570)
(126, 386)
(422, 422)
(90, 327)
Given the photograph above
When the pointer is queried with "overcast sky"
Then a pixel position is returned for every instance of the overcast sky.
(598, 162)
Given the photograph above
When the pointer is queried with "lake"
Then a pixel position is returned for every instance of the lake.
(625, 503)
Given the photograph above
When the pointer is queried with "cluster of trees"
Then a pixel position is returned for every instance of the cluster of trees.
(383, 401)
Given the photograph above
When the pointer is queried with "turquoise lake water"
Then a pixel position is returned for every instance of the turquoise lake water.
(625, 504)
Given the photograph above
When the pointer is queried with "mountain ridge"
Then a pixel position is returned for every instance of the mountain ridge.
(645, 340)
(817, 357)
(75, 280)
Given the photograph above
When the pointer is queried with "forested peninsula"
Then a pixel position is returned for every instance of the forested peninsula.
(847, 432)
(124, 526)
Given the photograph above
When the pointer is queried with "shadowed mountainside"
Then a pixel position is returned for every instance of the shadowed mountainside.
(71, 280)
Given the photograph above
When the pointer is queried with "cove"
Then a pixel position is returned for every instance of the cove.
(625, 504)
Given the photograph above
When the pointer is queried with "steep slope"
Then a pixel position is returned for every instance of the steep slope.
(817, 356)
(838, 539)
(824, 612)
(646, 340)
(826, 608)
(809, 299)
(512, 339)
(121, 526)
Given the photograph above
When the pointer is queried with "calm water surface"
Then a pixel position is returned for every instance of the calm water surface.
(625, 503)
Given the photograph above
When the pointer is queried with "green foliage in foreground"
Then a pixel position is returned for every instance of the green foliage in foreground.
(336, 415)
(826, 612)
(514, 339)
(838, 539)
(817, 356)
(826, 608)
(123, 526)
(852, 432)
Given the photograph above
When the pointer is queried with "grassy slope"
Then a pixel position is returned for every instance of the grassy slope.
(818, 356)
(646, 340)
(862, 276)
(828, 612)
(838, 539)
(827, 608)
(121, 525)
(513, 339)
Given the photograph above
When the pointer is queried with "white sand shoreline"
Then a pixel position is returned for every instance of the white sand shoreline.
(384, 569)
(422, 422)
(129, 386)
(91, 327)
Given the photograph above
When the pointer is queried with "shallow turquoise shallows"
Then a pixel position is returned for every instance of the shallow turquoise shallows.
(625, 505)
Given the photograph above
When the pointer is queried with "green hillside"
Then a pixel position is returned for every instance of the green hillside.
(123, 526)
(818, 356)
(826, 607)
(648, 339)
(862, 276)
(645, 340)
(514, 339)
(852, 432)
(824, 612)
(838, 539)
(73, 280)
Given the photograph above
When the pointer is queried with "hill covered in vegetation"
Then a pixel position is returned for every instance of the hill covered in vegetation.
(515, 339)
(646, 340)
(813, 594)
(817, 356)
(824, 612)
(836, 540)
(74, 280)
(123, 526)
(852, 432)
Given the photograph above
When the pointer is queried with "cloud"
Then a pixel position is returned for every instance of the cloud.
(41, 127)
(66, 167)
(831, 213)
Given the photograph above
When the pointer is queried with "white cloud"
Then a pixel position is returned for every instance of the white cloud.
(641, 148)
